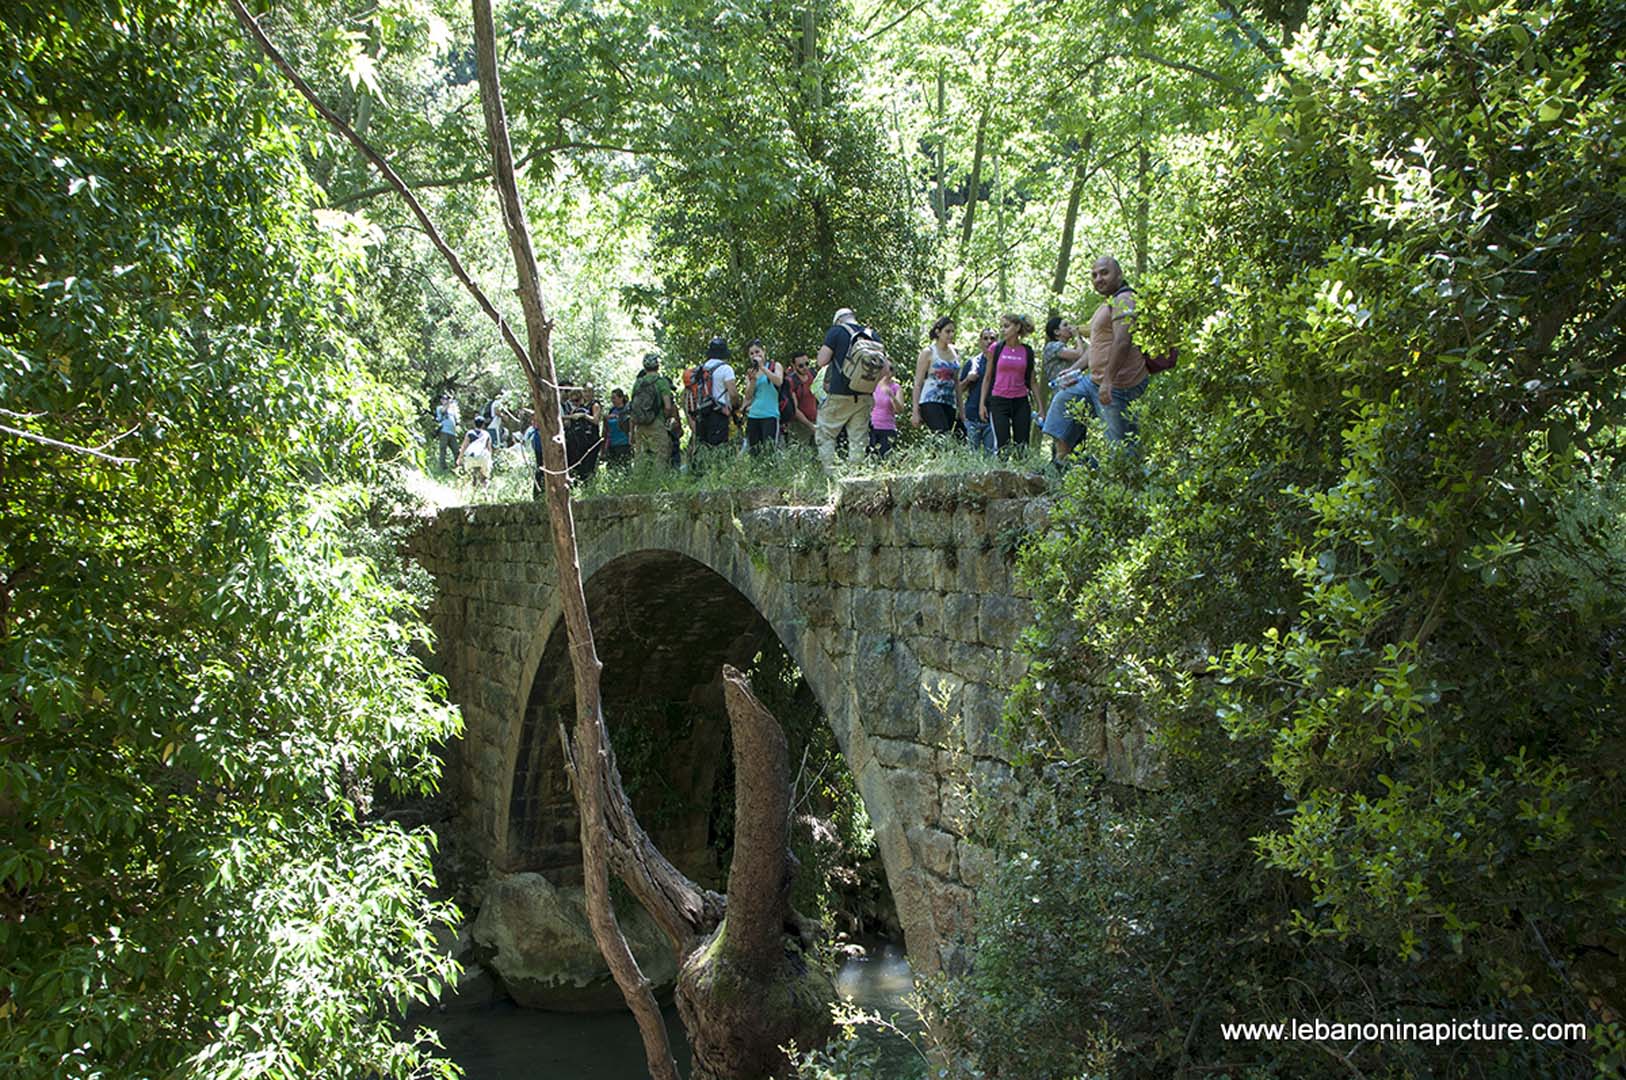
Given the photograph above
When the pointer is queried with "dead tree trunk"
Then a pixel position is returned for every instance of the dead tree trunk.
(751, 988)
(590, 750)
(611, 835)
(974, 185)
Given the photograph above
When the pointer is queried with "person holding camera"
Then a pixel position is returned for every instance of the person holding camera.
(763, 378)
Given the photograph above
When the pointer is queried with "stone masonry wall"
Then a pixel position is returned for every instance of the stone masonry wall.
(898, 603)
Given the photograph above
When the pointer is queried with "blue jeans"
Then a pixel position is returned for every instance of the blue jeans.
(980, 435)
(1120, 425)
(1061, 425)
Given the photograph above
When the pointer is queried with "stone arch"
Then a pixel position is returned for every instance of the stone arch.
(707, 579)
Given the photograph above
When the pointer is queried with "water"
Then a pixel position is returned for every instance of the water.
(501, 1041)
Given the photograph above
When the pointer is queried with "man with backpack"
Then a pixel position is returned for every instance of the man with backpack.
(709, 395)
(652, 410)
(854, 361)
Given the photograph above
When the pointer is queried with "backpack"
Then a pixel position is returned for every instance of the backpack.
(787, 398)
(697, 396)
(647, 404)
(864, 362)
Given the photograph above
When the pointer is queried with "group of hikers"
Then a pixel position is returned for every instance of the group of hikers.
(987, 397)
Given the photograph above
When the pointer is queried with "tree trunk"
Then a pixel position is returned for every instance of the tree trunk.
(975, 185)
(1143, 190)
(1064, 258)
(813, 77)
(611, 835)
(591, 755)
(999, 230)
(940, 204)
(750, 989)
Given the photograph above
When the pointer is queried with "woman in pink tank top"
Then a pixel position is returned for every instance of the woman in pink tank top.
(883, 415)
(1008, 396)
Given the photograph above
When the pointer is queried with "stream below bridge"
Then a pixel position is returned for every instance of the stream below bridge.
(502, 1041)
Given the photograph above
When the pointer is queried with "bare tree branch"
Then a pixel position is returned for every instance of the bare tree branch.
(72, 448)
(253, 28)
(1259, 41)
(476, 175)
(596, 784)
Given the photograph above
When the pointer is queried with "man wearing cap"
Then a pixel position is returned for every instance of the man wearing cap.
(653, 409)
(843, 409)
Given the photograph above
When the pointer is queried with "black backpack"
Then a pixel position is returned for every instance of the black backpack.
(787, 398)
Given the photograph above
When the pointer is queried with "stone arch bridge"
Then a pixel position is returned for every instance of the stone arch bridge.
(897, 602)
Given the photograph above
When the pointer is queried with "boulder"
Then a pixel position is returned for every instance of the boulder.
(534, 938)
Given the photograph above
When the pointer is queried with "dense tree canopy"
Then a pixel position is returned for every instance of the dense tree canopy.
(205, 672)
(1363, 583)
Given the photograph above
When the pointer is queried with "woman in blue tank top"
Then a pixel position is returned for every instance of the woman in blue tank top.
(762, 379)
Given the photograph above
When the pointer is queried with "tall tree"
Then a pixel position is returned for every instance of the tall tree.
(204, 671)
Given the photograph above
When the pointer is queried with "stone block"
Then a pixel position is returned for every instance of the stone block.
(967, 527)
(1002, 619)
(896, 753)
(914, 792)
(920, 612)
(1130, 758)
(955, 794)
(969, 571)
(978, 864)
(1013, 664)
(943, 568)
(940, 705)
(841, 604)
(931, 651)
(993, 780)
(842, 562)
(973, 663)
(953, 908)
(886, 568)
(534, 937)
(811, 565)
(885, 680)
(933, 849)
(980, 708)
(960, 611)
(993, 573)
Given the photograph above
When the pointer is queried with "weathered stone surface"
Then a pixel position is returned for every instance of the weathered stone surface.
(897, 602)
(914, 793)
(934, 849)
(1002, 619)
(954, 797)
(899, 752)
(534, 939)
(977, 863)
(1128, 756)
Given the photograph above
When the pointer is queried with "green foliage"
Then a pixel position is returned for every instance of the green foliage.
(203, 677)
(1367, 584)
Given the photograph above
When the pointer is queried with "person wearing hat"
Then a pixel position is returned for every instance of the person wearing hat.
(844, 409)
(653, 409)
(713, 421)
